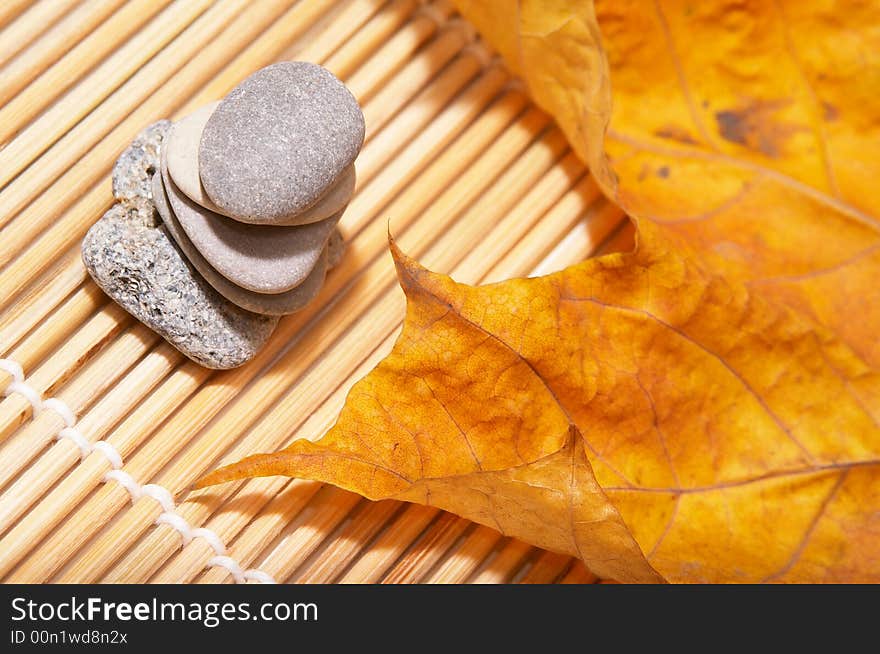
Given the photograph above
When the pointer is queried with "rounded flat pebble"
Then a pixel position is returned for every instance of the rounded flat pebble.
(183, 155)
(134, 168)
(183, 165)
(276, 144)
(276, 305)
(138, 265)
(264, 259)
(335, 248)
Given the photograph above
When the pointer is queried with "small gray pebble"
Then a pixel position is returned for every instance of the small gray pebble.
(274, 305)
(264, 258)
(335, 248)
(275, 145)
(182, 152)
(133, 171)
(137, 264)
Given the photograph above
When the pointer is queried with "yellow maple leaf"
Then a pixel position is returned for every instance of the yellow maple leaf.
(706, 407)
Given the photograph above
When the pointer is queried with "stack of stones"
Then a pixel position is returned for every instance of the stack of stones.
(226, 220)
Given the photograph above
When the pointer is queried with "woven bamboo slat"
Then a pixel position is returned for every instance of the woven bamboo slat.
(469, 177)
(50, 47)
(30, 25)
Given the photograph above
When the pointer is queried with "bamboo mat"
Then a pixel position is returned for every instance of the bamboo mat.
(473, 179)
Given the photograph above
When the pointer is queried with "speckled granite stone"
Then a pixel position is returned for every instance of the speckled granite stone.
(138, 265)
(133, 171)
(278, 142)
(264, 258)
(276, 304)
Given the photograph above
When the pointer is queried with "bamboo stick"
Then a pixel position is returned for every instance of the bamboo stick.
(585, 237)
(373, 563)
(83, 303)
(370, 78)
(420, 556)
(109, 411)
(14, 409)
(464, 559)
(381, 27)
(11, 9)
(47, 336)
(547, 568)
(578, 574)
(308, 530)
(78, 394)
(504, 566)
(292, 26)
(378, 326)
(41, 54)
(131, 59)
(260, 531)
(41, 298)
(338, 28)
(190, 561)
(91, 118)
(30, 25)
(376, 239)
(341, 549)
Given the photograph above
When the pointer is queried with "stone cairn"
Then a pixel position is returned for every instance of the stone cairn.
(226, 220)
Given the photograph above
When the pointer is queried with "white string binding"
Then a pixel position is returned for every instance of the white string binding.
(13, 368)
(29, 393)
(59, 407)
(74, 434)
(160, 494)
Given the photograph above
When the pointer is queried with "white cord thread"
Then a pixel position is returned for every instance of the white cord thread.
(259, 575)
(28, 392)
(13, 368)
(160, 494)
(125, 480)
(59, 407)
(73, 434)
(110, 452)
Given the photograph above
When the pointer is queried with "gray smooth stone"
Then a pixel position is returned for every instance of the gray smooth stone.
(264, 259)
(136, 263)
(183, 155)
(276, 305)
(335, 249)
(133, 170)
(278, 142)
(183, 166)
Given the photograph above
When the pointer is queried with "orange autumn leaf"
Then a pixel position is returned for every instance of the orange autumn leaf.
(705, 408)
